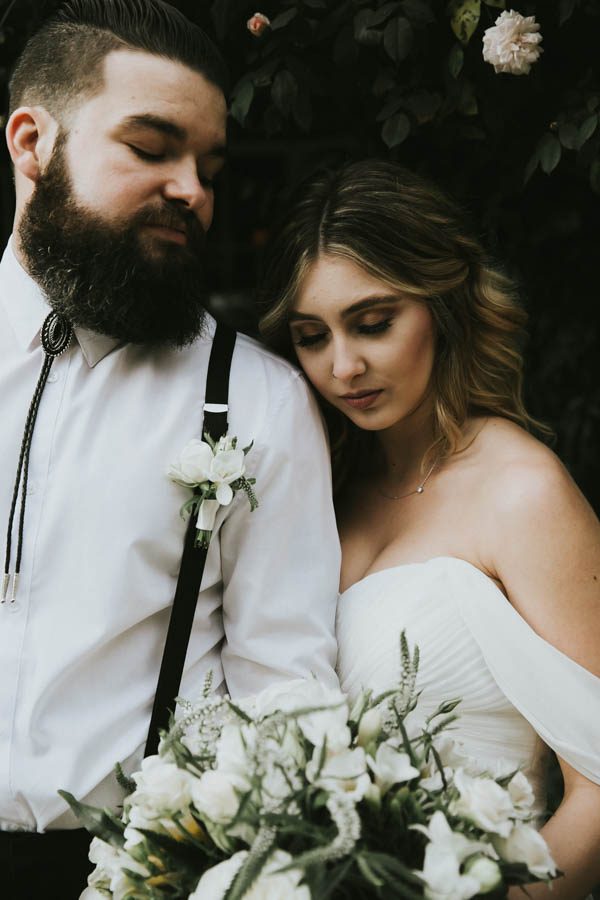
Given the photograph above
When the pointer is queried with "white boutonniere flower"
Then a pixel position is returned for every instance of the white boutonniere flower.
(214, 471)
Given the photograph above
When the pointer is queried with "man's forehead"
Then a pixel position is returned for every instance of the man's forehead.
(132, 76)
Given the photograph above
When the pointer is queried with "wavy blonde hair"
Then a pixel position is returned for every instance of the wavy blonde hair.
(406, 232)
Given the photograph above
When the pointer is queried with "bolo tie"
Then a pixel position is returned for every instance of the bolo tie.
(56, 336)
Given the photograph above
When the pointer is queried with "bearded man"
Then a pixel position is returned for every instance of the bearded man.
(116, 133)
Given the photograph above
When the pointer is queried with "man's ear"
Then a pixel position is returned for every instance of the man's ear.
(30, 135)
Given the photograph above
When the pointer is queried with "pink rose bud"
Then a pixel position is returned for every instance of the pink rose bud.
(257, 24)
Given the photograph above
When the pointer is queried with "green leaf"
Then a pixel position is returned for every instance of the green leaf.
(393, 102)
(370, 37)
(379, 16)
(99, 822)
(397, 38)
(456, 58)
(568, 134)
(467, 101)
(549, 151)
(498, 4)
(396, 130)
(242, 101)
(464, 18)
(587, 128)
(284, 91)
(284, 18)
(418, 11)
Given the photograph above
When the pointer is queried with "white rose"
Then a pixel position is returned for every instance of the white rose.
(341, 773)
(525, 845)
(161, 788)
(305, 693)
(226, 466)
(484, 803)
(194, 464)
(391, 767)
(214, 795)
(512, 44)
(485, 871)
(521, 794)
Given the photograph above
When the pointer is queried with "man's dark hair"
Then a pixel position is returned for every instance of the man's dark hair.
(62, 62)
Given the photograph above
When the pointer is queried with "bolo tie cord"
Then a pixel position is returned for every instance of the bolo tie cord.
(56, 337)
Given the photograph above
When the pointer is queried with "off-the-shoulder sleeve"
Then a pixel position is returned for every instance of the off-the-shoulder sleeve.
(556, 695)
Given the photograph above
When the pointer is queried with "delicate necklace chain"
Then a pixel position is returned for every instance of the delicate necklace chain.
(418, 490)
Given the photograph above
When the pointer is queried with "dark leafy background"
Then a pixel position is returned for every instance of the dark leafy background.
(329, 81)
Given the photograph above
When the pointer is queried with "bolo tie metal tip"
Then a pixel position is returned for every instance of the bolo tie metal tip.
(11, 581)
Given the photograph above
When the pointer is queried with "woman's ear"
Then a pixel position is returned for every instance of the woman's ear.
(30, 135)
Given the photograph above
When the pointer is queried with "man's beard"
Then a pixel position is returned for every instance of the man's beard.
(97, 273)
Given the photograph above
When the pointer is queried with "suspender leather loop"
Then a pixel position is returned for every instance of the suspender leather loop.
(193, 559)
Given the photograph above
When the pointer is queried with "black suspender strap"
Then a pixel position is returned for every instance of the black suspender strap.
(194, 558)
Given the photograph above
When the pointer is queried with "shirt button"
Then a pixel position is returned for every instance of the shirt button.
(53, 377)
(32, 487)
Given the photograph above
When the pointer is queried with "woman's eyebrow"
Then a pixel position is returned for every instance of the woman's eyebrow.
(365, 303)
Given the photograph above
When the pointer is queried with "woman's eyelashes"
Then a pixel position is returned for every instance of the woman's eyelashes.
(365, 329)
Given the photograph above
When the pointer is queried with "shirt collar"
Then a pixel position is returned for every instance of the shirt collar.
(26, 308)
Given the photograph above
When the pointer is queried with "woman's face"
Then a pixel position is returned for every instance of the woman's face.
(368, 349)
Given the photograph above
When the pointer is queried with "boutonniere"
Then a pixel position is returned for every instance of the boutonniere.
(214, 471)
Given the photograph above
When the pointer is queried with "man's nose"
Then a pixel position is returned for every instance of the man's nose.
(185, 186)
(347, 362)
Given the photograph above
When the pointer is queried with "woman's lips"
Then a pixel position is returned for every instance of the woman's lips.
(361, 399)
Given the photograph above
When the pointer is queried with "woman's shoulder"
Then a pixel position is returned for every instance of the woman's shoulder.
(520, 467)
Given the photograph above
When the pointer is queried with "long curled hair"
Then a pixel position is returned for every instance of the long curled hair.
(404, 231)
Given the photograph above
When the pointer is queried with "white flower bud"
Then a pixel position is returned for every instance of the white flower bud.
(369, 727)
(486, 872)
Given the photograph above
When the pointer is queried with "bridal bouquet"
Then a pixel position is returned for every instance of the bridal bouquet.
(292, 794)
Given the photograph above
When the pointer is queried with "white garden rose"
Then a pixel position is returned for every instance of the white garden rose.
(341, 773)
(214, 795)
(291, 696)
(512, 44)
(483, 802)
(270, 884)
(194, 464)
(390, 767)
(526, 845)
(162, 788)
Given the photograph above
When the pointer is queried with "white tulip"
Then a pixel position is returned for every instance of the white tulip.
(214, 795)
(369, 727)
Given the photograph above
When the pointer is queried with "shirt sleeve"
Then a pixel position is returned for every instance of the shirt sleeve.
(280, 563)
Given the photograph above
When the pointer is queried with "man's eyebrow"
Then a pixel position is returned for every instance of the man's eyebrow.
(367, 303)
(156, 123)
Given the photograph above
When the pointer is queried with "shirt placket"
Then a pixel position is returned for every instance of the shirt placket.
(19, 615)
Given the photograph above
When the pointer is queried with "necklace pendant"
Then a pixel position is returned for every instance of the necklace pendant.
(420, 489)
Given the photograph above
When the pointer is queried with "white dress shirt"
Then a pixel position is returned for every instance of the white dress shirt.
(80, 649)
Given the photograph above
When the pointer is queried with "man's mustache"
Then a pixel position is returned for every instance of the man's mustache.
(177, 219)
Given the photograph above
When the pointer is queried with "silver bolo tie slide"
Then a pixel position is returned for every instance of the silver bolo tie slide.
(56, 336)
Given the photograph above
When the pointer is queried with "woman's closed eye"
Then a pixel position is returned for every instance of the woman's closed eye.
(367, 329)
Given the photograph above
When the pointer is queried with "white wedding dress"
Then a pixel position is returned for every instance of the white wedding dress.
(519, 693)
